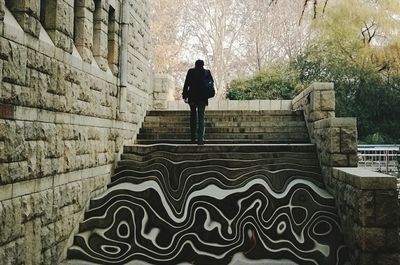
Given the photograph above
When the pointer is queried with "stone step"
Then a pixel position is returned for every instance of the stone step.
(223, 141)
(226, 112)
(257, 136)
(223, 125)
(226, 118)
(224, 198)
(212, 129)
(220, 148)
(303, 158)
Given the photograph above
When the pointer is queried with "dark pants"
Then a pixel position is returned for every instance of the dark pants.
(197, 121)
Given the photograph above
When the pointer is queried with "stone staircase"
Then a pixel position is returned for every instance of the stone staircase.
(277, 126)
(258, 201)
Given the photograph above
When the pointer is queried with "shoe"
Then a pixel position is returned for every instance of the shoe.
(193, 141)
(200, 142)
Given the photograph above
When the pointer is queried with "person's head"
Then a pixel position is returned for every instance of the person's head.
(199, 64)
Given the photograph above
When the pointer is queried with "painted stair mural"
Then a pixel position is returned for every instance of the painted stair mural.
(255, 197)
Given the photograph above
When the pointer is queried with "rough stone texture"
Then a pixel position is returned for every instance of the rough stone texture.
(367, 201)
(26, 13)
(336, 138)
(164, 87)
(2, 11)
(60, 129)
(369, 211)
(84, 29)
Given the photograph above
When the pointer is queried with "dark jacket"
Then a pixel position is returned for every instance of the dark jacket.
(194, 88)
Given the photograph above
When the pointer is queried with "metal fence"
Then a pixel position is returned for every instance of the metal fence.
(381, 158)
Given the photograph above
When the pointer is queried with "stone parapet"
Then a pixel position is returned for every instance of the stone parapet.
(335, 138)
(369, 212)
(216, 104)
(367, 201)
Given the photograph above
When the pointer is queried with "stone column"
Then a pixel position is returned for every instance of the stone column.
(60, 23)
(100, 34)
(369, 209)
(164, 87)
(27, 14)
(2, 13)
(2, 8)
(84, 29)
(113, 39)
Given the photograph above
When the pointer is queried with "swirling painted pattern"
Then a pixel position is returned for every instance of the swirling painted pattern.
(165, 212)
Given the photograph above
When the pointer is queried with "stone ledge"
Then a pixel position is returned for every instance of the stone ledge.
(364, 179)
(37, 185)
(47, 116)
(317, 86)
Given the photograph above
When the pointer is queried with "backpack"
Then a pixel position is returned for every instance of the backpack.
(209, 84)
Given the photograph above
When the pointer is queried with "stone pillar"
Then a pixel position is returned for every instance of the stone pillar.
(369, 211)
(27, 14)
(100, 34)
(113, 39)
(84, 29)
(164, 87)
(60, 23)
(2, 8)
(2, 13)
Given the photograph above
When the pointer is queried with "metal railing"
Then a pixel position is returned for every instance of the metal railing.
(381, 158)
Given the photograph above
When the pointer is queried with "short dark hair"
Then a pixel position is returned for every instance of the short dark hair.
(199, 63)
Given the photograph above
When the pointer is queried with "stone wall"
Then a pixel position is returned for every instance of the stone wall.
(367, 201)
(60, 126)
(369, 210)
(335, 138)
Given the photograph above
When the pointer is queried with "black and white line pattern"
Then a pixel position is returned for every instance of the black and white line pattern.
(212, 211)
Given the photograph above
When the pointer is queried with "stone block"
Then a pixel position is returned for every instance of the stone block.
(2, 11)
(387, 208)
(32, 242)
(392, 239)
(319, 115)
(336, 160)
(364, 258)
(373, 239)
(388, 259)
(348, 140)
(10, 214)
(29, 24)
(365, 207)
(61, 40)
(8, 254)
(315, 101)
(5, 192)
(7, 112)
(84, 36)
(327, 100)
(333, 140)
(14, 68)
(47, 236)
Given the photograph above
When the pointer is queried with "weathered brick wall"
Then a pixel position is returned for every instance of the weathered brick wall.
(369, 210)
(60, 130)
